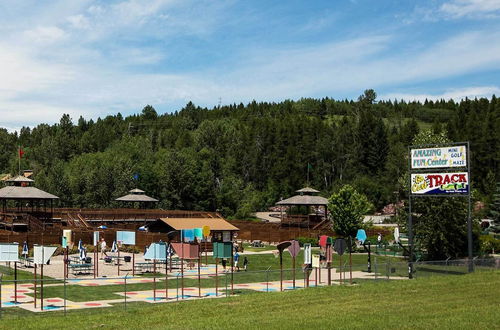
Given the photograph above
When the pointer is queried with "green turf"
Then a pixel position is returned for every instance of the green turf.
(442, 302)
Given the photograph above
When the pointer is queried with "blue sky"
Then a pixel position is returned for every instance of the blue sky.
(94, 58)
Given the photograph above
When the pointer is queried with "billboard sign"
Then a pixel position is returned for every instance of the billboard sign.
(440, 183)
(453, 156)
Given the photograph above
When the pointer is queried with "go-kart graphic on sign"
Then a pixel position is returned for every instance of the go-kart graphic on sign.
(440, 183)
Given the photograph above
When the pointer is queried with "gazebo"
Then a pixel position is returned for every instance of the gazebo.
(305, 209)
(137, 196)
(29, 206)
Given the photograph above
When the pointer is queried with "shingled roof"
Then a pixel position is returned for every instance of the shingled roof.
(136, 195)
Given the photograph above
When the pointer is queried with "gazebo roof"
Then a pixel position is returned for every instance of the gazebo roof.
(307, 190)
(19, 192)
(136, 195)
(304, 200)
(19, 178)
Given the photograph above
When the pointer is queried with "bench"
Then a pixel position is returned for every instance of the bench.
(78, 269)
(143, 267)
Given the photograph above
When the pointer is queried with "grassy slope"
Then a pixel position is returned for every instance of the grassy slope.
(469, 301)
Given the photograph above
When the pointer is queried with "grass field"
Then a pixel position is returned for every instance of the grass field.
(468, 301)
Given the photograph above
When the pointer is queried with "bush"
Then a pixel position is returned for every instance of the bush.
(489, 244)
(310, 240)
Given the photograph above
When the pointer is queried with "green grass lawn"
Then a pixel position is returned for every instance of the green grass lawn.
(468, 301)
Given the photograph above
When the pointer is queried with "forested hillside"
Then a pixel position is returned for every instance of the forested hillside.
(242, 158)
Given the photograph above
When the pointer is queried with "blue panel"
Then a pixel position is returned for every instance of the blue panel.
(156, 251)
(127, 237)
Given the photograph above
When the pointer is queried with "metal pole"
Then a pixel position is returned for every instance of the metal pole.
(166, 272)
(199, 270)
(469, 211)
(350, 260)
(34, 301)
(267, 279)
(15, 282)
(232, 268)
(64, 297)
(410, 220)
(154, 279)
(293, 265)
(41, 287)
(216, 276)
(133, 261)
(1, 277)
(125, 291)
(118, 260)
(410, 238)
(340, 269)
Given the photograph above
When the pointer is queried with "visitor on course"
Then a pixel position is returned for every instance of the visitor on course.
(236, 259)
(245, 263)
(103, 248)
(223, 261)
(379, 239)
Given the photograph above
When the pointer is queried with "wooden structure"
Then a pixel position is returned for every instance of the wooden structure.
(217, 226)
(304, 210)
(25, 207)
(138, 196)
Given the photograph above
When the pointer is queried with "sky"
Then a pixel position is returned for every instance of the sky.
(95, 58)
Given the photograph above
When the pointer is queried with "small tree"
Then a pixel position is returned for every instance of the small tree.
(347, 208)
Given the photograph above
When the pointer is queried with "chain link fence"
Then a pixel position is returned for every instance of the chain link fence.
(87, 295)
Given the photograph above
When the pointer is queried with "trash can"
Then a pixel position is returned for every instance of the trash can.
(127, 258)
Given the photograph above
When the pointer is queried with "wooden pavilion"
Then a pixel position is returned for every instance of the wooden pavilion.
(25, 207)
(304, 210)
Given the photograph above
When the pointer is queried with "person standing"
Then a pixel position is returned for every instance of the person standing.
(103, 248)
(245, 263)
(236, 259)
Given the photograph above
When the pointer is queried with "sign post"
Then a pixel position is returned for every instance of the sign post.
(448, 183)
(294, 250)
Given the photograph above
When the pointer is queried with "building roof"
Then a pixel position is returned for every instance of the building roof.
(307, 190)
(304, 200)
(20, 178)
(18, 192)
(136, 195)
(190, 223)
(136, 198)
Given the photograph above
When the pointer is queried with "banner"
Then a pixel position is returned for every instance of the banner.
(440, 183)
(454, 156)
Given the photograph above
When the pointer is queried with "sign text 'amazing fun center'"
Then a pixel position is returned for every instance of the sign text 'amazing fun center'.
(440, 183)
(453, 156)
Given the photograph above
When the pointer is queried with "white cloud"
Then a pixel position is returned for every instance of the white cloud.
(45, 34)
(453, 94)
(471, 8)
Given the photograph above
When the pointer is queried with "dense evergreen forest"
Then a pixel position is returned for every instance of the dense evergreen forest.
(241, 158)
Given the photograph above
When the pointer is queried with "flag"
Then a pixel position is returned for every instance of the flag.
(136, 176)
(25, 249)
(309, 166)
(21, 152)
